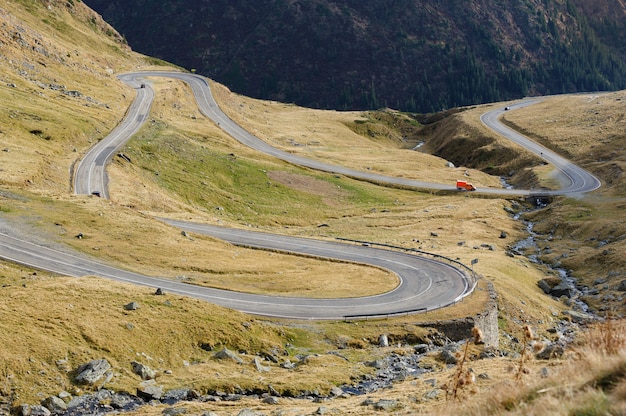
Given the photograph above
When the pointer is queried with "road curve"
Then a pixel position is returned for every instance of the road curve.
(425, 284)
(580, 181)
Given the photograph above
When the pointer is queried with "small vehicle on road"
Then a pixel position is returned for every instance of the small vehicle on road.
(464, 186)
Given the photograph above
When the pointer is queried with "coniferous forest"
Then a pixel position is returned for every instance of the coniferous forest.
(411, 55)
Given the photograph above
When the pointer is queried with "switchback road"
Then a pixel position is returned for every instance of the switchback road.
(425, 284)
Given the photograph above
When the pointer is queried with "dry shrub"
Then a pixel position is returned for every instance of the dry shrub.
(529, 346)
(609, 336)
(463, 377)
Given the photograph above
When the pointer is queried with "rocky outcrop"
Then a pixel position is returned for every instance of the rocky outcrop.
(92, 372)
(143, 371)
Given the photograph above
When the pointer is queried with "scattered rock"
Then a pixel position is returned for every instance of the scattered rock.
(448, 353)
(600, 281)
(54, 404)
(387, 405)
(133, 306)
(159, 292)
(174, 411)
(551, 351)
(65, 396)
(226, 353)
(622, 286)
(122, 400)
(259, 366)
(579, 317)
(149, 391)
(503, 234)
(544, 285)
(336, 391)
(564, 288)
(172, 397)
(421, 348)
(143, 371)
(37, 410)
(91, 372)
(271, 400)
(249, 412)
(377, 364)
(433, 394)
(557, 287)
(383, 341)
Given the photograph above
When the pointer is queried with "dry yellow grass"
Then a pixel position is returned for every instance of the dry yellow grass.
(326, 135)
(581, 234)
(54, 318)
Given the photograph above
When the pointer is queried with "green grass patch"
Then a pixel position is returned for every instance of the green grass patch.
(240, 186)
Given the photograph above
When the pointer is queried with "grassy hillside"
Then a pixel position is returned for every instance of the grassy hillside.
(182, 166)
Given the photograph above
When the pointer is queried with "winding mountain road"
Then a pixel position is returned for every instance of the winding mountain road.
(580, 181)
(425, 284)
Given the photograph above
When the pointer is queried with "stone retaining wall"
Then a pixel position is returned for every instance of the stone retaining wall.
(461, 329)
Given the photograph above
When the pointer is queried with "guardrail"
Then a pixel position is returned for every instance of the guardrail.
(470, 279)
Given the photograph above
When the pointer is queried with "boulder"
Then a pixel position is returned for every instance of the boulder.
(172, 397)
(551, 351)
(143, 371)
(386, 405)
(174, 411)
(121, 400)
(228, 354)
(421, 348)
(271, 400)
(545, 286)
(448, 353)
(383, 341)
(133, 306)
(149, 391)
(336, 391)
(54, 404)
(249, 412)
(579, 317)
(259, 366)
(36, 410)
(91, 372)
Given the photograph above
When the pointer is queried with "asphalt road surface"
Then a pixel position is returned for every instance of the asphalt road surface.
(579, 180)
(425, 284)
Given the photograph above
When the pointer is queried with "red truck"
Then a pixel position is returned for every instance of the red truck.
(464, 186)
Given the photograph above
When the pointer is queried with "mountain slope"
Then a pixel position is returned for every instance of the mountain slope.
(58, 88)
(415, 55)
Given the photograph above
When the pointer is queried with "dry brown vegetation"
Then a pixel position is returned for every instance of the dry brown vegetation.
(584, 234)
(183, 166)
